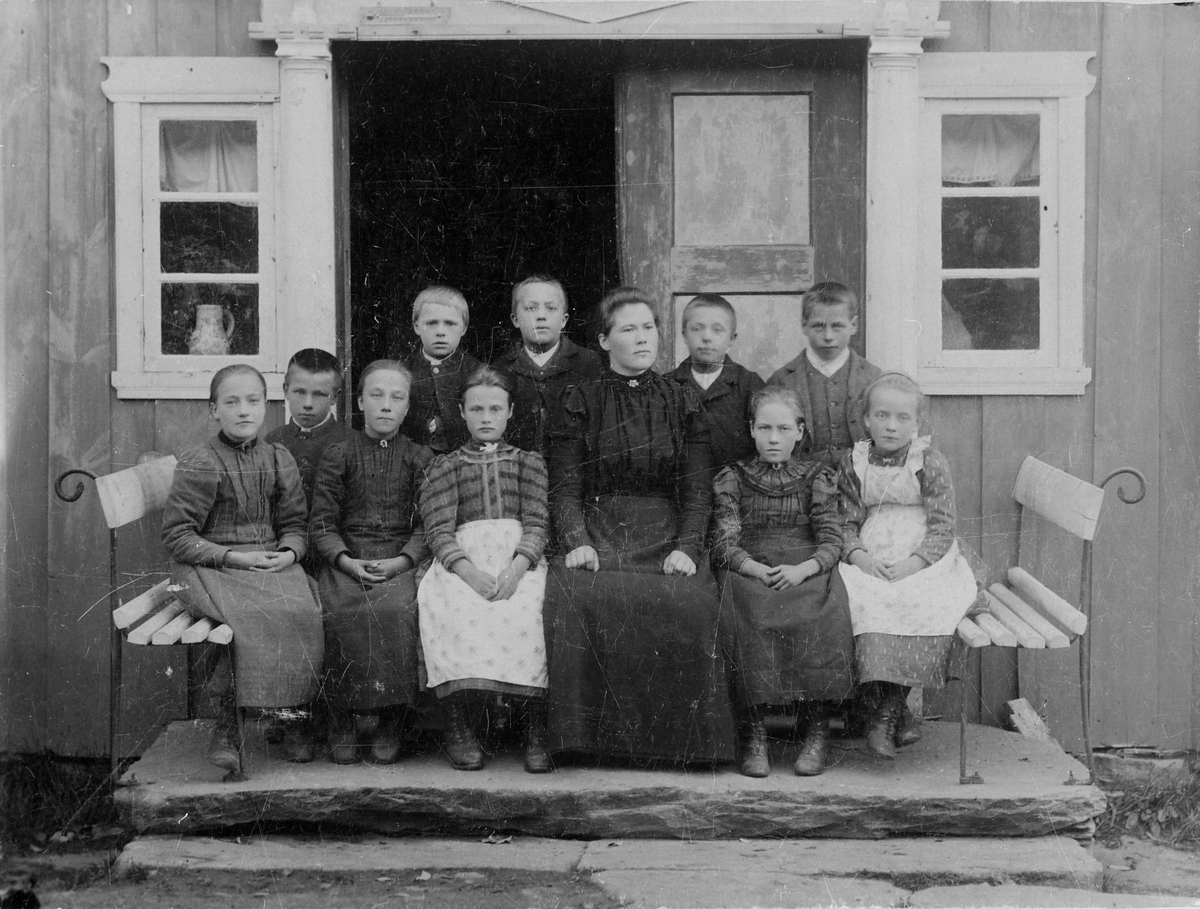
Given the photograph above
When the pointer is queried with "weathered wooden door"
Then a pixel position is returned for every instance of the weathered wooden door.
(746, 182)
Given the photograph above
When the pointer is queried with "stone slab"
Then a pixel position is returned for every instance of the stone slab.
(980, 895)
(733, 890)
(907, 862)
(1023, 795)
(347, 855)
(1140, 866)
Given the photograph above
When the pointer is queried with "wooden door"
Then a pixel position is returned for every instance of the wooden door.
(746, 182)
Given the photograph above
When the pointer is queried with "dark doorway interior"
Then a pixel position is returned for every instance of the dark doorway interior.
(474, 165)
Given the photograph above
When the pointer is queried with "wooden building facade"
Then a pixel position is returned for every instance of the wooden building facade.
(755, 147)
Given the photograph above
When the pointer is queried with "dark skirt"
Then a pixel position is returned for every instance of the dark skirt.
(636, 664)
(371, 639)
(920, 661)
(788, 645)
(278, 644)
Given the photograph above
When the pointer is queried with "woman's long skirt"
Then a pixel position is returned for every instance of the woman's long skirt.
(473, 643)
(788, 645)
(371, 638)
(278, 642)
(636, 663)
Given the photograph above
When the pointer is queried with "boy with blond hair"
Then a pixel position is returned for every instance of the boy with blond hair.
(439, 369)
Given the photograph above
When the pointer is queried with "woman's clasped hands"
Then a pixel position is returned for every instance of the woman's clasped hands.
(885, 570)
(492, 587)
(781, 577)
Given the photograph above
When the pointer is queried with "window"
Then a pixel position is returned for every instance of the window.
(195, 185)
(208, 217)
(1000, 284)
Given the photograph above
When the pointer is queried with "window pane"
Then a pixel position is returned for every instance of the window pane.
(211, 156)
(210, 319)
(209, 237)
(990, 232)
(990, 150)
(990, 314)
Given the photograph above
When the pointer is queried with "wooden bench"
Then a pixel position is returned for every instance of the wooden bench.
(155, 617)
(1026, 612)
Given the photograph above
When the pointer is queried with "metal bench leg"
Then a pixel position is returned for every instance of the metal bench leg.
(241, 720)
(964, 672)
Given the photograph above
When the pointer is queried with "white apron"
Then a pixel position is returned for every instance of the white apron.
(929, 602)
(465, 636)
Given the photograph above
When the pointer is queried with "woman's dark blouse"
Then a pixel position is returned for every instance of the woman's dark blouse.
(753, 495)
(365, 498)
(227, 494)
(640, 436)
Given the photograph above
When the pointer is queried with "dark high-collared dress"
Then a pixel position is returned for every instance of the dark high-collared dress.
(636, 663)
(795, 644)
(365, 505)
(247, 497)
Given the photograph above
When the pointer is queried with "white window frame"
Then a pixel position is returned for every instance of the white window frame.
(1054, 86)
(145, 92)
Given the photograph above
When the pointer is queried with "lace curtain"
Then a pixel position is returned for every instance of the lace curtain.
(208, 156)
(990, 149)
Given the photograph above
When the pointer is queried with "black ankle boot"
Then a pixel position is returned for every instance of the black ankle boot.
(908, 729)
(461, 745)
(881, 734)
(814, 750)
(537, 744)
(756, 761)
(223, 749)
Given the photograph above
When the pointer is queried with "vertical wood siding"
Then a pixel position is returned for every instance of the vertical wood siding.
(1142, 274)
(61, 411)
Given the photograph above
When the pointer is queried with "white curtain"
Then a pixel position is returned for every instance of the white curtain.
(208, 156)
(990, 149)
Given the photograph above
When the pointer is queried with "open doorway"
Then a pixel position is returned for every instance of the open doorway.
(473, 165)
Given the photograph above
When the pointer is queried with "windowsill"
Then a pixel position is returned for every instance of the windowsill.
(179, 385)
(1003, 380)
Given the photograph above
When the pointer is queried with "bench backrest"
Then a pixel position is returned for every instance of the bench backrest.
(1071, 503)
(136, 491)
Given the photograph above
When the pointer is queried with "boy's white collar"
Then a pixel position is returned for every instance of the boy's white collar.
(827, 369)
(541, 359)
(328, 417)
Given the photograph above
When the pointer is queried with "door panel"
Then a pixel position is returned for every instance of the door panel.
(744, 182)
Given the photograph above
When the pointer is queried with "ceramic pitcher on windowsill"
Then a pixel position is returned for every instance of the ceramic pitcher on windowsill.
(213, 331)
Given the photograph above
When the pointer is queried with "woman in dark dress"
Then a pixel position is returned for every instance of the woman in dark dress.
(636, 665)
(777, 545)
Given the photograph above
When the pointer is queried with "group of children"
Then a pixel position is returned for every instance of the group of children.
(359, 568)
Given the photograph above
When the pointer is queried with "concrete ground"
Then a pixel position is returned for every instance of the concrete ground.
(435, 873)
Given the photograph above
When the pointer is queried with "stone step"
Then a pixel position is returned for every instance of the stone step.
(674, 873)
(1024, 794)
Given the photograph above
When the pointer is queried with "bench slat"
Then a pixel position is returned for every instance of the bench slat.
(1037, 593)
(171, 632)
(1050, 633)
(1026, 636)
(1001, 636)
(222, 634)
(128, 614)
(198, 631)
(972, 634)
(145, 631)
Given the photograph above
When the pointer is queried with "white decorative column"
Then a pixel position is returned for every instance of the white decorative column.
(307, 313)
(893, 143)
